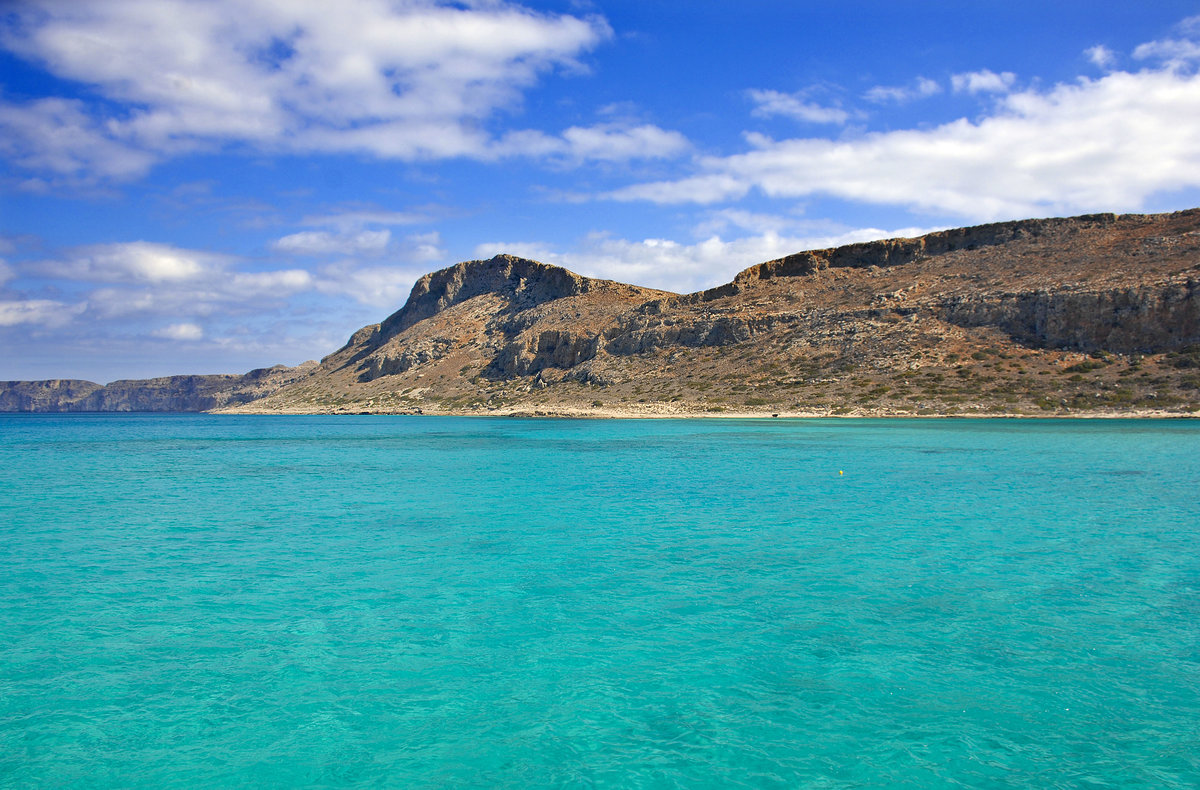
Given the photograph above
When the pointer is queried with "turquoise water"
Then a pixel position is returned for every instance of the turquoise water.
(201, 601)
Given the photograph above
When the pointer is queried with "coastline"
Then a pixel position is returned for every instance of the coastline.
(670, 411)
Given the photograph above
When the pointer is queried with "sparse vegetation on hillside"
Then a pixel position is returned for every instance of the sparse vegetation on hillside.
(1037, 317)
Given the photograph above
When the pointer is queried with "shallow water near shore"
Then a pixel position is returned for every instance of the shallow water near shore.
(193, 600)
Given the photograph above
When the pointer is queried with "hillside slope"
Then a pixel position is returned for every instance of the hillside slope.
(1096, 314)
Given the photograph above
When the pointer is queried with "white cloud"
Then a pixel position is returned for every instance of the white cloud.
(350, 238)
(721, 220)
(247, 285)
(774, 103)
(1101, 56)
(319, 242)
(39, 312)
(711, 188)
(984, 81)
(6, 272)
(1105, 144)
(346, 221)
(185, 331)
(227, 293)
(406, 80)
(1174, 51)
(613, 143)
(423, 247)
(610, 142)
(384, 287)
(922, 88)
(137, 261)
(59, 136)
(147, 278)
(673, 266)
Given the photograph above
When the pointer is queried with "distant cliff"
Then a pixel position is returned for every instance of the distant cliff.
(166, 394)
(1096, 314)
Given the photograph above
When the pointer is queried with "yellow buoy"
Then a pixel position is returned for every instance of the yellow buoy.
(839, 471)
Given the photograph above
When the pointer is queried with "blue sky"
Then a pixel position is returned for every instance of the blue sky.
(202, 187)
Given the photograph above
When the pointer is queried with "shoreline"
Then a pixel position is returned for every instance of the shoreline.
(605, 413)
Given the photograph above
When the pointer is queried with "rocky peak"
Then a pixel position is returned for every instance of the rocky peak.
(524, 282)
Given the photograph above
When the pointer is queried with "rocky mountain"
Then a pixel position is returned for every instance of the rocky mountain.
(166, 394)
(1096, 314)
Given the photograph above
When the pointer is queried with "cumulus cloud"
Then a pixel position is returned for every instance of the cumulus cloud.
(137, 261)
(985, 81)
(407, 80)
(1105, 144)
(769, 104)
(1101, 56)
(922, 88)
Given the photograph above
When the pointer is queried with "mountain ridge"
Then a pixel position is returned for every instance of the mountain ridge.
(1112, 298)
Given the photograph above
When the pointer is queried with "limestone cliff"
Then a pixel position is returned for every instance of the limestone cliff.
(49, 396)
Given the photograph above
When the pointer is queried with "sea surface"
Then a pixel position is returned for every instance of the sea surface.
(417, 602)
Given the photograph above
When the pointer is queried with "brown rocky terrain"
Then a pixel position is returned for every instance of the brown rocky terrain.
(1089, 315)
(1092, 315)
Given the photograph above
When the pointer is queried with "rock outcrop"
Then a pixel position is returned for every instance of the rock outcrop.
(1135, 319)
(524, 282)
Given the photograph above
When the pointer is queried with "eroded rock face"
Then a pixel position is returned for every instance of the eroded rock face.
(389, 364)
(1126, 320)
(548, 349)
(897, 252)
(525, 282)
(43, 396)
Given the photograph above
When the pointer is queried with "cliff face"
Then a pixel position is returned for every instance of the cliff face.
(1097, 313)
(1145, 319)
(49, 396)
(897, 252)
(166, 394)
